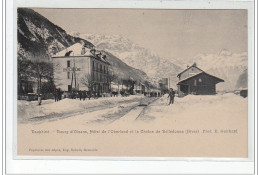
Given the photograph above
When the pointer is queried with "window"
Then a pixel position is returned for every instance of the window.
(68, 63)
(195, 82)
(200, 80)
(93, 65)
(68, 75)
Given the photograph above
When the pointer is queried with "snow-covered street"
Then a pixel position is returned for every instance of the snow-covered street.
(190, 120)
(223, 109)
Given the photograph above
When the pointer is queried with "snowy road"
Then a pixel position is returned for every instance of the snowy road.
(118, 111)
(94, 111)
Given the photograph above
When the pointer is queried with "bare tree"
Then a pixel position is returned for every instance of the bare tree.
(42, 70)
(111, 78)
(88, 82)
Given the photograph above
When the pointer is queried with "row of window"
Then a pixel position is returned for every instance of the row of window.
(99, 77)
(96, 67)
(99, 67)
(95, 75)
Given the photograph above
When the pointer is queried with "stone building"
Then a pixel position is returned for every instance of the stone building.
(80, 68)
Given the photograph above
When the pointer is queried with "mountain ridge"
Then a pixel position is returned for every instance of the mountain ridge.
(223, 64)
(134, 55)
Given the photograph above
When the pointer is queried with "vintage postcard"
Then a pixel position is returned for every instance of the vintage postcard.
(132, 82)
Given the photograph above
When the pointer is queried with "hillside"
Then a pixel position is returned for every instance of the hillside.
(122, 70)
(38, 36)
(242, 81)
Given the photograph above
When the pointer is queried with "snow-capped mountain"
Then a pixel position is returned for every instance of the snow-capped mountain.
(224, 64)
(136, 56)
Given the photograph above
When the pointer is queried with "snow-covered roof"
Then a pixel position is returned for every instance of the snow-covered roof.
(220, 80)
(190, 77)
(78, 49)
(242, 88)
(75, 50)
(194, 65)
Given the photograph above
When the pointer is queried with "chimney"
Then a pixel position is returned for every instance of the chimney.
(99, 54)
(188, 66)
(83, 51)
(93, 51)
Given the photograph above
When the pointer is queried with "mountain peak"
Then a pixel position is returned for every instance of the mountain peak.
(225, 52)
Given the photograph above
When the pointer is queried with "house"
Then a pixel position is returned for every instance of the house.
(80, 68)
(193, 80)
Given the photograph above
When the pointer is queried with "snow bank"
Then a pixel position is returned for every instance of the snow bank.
(27, 110)
(199, 109)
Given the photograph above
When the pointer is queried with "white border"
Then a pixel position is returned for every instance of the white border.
(183, 165)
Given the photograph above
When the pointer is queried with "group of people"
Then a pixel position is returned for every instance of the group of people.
(82, 95)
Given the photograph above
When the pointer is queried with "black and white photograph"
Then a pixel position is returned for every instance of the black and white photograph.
(132, 82)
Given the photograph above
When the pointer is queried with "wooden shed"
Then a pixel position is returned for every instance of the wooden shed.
(197, 82)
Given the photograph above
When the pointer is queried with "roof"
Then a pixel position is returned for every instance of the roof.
(78, 50)
(73, 50)
(194, 65)
(218, 79)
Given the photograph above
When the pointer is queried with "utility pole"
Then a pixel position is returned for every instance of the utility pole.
(169, 83)
(37, 62)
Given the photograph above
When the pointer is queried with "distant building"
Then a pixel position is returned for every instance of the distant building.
(164, 85)
(80, 68)
(193, 80)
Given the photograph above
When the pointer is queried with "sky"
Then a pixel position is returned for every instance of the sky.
(169, 33)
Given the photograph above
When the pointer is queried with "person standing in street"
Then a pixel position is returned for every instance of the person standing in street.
(171, 95)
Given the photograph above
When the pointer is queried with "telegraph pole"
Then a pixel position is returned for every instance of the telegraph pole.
(169, 83)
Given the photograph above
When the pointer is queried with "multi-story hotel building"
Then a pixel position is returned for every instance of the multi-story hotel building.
(80, 68)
